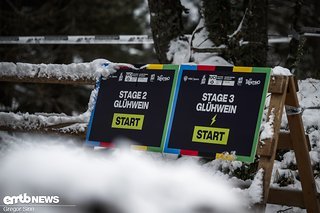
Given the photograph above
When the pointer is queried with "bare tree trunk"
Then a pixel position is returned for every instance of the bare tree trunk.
(166, 24)
(316, 43)
(217, 15)
(296, 41)
(217, 20)
(256, 32)
(220, 18)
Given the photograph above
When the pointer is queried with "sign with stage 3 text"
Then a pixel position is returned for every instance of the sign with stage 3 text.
(218, 110)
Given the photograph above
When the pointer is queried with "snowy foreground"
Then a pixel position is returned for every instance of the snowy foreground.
(132, 181)
(121, 181)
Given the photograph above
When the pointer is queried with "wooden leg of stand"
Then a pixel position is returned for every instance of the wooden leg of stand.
(300, 147)
(301, 150)
(267, 151)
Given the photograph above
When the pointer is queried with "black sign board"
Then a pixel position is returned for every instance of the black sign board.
(217, 110)
(134, 104)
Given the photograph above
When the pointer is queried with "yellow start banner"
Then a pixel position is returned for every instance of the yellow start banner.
(212, 135)
(127, 121)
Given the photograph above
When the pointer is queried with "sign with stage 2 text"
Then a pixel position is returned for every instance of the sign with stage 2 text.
(134, 104)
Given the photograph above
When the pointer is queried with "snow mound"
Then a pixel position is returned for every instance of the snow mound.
(119, 181)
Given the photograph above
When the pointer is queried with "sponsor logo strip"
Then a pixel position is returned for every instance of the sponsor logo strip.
(215, 80)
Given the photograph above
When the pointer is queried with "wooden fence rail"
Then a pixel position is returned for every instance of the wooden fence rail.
(73, 74)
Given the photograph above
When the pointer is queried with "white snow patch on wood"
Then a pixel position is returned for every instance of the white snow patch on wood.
(278, 70)
(255, 190)
(267, 128)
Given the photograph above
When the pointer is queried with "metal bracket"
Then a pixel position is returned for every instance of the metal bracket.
(290, 110)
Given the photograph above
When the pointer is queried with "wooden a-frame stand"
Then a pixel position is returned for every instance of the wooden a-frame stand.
(283, 91)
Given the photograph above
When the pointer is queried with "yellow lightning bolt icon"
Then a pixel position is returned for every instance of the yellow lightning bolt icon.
(213, 119)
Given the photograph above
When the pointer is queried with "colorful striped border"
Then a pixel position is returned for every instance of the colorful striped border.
(211, 68)
(165, 128)
(88, 142)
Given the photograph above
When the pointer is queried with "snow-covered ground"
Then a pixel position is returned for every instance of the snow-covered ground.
(119, 181)
(133, 181)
